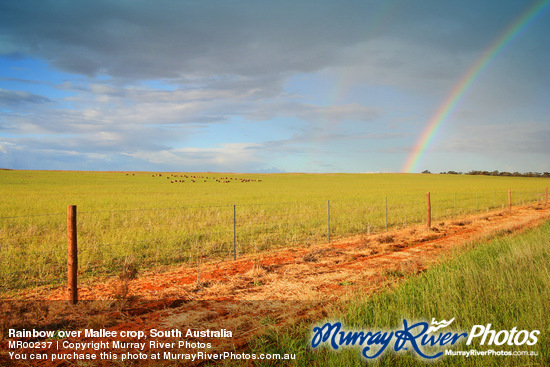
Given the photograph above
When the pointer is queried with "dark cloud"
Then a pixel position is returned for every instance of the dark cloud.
(9, 98)
(168, 39)
(142, 40)
(22, 81)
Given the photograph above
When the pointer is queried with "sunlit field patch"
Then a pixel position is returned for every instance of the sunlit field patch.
(151, 218)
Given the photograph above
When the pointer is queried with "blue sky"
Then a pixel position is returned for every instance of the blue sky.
(285, 86)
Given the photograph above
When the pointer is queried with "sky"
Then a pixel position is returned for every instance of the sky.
(275, 86)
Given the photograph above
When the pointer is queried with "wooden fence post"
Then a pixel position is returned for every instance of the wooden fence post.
(546, 194)
(509, 199)
(72, 255)
(429, 210)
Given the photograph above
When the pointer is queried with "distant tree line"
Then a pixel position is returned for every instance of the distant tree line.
(496, 173)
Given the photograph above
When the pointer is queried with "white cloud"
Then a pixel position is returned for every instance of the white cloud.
(227, 157)
(4, 146)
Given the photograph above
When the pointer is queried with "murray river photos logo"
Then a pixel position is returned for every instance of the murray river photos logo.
(416, 337)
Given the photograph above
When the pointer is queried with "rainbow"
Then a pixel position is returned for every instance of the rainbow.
(449, 104)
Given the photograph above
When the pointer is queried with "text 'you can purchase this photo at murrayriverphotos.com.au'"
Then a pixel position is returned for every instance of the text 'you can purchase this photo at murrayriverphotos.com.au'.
(126, 345)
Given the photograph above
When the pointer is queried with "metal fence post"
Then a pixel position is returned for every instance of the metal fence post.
(455, 204)
(72, 255)
(386, 213)
(328, 220)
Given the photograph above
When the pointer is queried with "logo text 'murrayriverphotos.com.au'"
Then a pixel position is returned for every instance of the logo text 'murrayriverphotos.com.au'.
(416, 336)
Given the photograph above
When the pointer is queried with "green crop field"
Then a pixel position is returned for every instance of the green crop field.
(150, 219)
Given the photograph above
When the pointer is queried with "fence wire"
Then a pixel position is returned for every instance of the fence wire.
(33, 248)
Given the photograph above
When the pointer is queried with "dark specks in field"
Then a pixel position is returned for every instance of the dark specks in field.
(176, 178)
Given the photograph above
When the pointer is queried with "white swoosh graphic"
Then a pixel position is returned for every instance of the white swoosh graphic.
(439, 325)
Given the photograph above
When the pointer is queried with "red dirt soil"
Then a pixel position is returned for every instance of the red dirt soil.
(260, 291)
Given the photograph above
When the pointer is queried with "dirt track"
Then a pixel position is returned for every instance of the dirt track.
(273, 289)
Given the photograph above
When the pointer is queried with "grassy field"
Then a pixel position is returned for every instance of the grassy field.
(148, 219)
(505, 282)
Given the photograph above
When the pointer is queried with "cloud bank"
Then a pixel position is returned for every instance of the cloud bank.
(250, 86)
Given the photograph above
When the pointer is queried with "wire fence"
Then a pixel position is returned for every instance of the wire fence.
(33, 248)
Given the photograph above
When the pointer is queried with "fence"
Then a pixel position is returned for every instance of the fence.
(33, 249)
